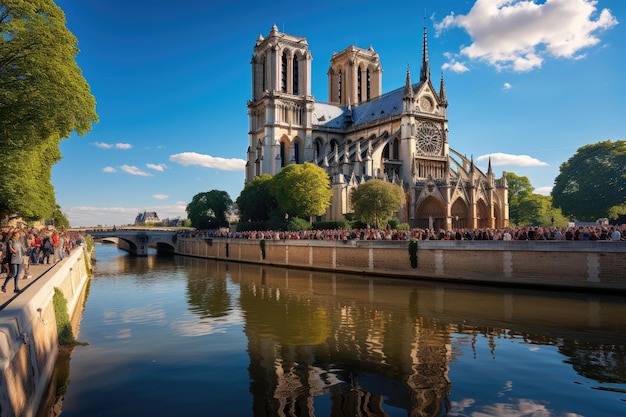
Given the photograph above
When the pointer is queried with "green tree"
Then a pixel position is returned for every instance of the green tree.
(255, 201)
(519, 189)
(537, 210)
(208, 210)
(43, 99)
(617, 211)
(376, 201)
(60, 221)
(302, 190)
(592, 181)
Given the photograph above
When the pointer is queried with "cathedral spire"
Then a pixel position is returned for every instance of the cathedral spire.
(408, 88)
(425, 71)
(442, 92)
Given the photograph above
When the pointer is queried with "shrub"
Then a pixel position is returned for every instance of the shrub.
(330, 225)
(297, 223)
(64, 327)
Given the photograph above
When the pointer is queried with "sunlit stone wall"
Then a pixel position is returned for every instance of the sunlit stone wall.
(599, 265)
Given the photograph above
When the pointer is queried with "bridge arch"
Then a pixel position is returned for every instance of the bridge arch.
(137, 242)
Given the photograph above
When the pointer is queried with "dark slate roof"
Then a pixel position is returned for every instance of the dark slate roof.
(333, 116)
(387, 105)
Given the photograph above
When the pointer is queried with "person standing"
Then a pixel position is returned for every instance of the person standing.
(47, 248)
(55, 245)
(615, 234)
(17, 251)
(61, 247)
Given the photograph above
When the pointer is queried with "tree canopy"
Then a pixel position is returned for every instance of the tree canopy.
(43, 99)
(376, 201)
(302, 190)
(255, 201)
(208, 210)
(527, 208)
(592, 181)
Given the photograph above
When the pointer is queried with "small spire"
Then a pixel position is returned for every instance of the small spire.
(408, 88)
(442, 92)
(489, 171)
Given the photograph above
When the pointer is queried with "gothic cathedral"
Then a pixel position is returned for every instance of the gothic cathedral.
(400, 136)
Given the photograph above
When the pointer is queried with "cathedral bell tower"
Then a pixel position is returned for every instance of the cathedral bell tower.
(354, 77)
(281, 105)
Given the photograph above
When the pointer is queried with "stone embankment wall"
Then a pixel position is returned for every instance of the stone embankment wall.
(28, 335)
(588, 265)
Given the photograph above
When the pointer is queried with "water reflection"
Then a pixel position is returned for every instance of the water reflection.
(194, 337)
(371, 344)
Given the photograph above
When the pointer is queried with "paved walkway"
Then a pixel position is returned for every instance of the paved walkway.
(35, 271)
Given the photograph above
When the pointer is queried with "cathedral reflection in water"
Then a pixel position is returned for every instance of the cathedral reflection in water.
(319, 342)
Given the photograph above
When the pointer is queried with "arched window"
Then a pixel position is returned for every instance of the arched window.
(340, 81)
(264, 73)
(296, 151)
(295, 77)
(318, 149)
(369, 84)
(396, 149)
(359, 83)
(283, 73)
(282, 154)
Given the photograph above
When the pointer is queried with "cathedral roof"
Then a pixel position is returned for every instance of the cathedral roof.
(334, 116)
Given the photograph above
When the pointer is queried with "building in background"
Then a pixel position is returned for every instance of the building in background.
(147, 217)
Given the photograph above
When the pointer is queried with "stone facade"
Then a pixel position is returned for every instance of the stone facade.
(400, 136)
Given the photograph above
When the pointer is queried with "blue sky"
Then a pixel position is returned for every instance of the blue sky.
(528, 83)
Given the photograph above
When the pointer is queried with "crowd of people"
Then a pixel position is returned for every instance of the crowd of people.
(607, 233)
(22, 247)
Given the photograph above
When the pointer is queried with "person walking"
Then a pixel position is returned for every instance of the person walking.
(47, 248)
(17, 261)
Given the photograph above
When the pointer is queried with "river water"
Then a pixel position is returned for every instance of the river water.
(180, 336)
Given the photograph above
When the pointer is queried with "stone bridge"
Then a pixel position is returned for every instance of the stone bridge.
(137, 242)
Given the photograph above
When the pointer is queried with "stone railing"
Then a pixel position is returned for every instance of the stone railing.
(28, 334)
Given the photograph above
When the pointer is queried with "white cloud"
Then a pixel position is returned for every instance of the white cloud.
(455, 66)
(508, 159)
(103, 145)
(109, 169)
(157, 167)
(208, 161)
(506, 86)
(133, 170)
(543, 190)
(519, 34)
(161, 196)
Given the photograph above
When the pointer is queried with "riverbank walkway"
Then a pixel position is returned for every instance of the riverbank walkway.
(35, 271)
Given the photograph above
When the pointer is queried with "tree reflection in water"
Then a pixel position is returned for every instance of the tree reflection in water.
(368, 342)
